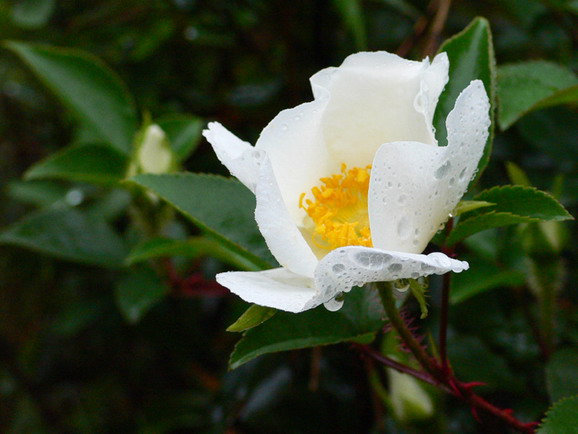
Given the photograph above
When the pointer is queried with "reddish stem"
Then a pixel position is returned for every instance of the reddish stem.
(193, 286)
(441, 375)
(445, 302)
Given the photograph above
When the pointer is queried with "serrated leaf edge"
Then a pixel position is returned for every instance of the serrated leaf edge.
(553, 408)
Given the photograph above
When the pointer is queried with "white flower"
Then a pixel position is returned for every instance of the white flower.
(351, 186)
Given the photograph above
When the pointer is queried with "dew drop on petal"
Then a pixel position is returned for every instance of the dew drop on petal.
(403, 228)
(338, 268)
(401, 284)
(462, 175)
(443, 170)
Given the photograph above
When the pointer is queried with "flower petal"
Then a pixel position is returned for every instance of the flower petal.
(278, 288)
(351, 266)
(293, 142)
(376, 98)
(283, 237)
(238, 156)
(414, 186)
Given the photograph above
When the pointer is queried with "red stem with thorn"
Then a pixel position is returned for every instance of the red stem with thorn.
(437, 372)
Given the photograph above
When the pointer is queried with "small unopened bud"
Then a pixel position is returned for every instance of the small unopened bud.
(154, 153)
(408, 399)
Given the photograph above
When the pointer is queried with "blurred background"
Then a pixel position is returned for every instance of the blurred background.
(72, 361)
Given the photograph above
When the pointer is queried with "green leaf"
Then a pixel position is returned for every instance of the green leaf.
(184, 133)
(32, 14)
(222, 207)
(527, 86)
(482, 276)
(38, 193)
(252, 317)
(562, 374)
(95, 164)
(358, 320)
(513, 204)
(68, 234)
(191, 248)
(163, 247)
(471, 56)
(93, 93)
(138, 292)
(524, 201)
(562, 418)
(469, 205)
(482, 222)
(352, 15)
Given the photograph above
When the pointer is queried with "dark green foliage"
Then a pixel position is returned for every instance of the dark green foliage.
(110, 319)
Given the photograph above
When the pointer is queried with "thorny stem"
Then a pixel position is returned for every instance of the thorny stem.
(444, 311)
(385, 290)
(436, 374)
(400, 367)
(445, 302)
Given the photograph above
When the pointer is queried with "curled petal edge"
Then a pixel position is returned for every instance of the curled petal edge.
(281, 234)
(238, 156)
(346, 267)
(278, 288)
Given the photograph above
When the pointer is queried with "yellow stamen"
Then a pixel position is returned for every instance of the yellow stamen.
(339, 209)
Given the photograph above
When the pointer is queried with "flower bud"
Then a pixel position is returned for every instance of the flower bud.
(408, 399)
(154, 153)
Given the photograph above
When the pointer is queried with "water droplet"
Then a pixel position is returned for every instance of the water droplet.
(403, 228)
(338, 268)
(426, 268)
(462, 174)
(443, 170)
(394, 267)
(284, 127)
(402, 199)
(452, 181)
(401, 284)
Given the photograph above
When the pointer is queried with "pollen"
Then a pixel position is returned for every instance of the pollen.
(338, 209)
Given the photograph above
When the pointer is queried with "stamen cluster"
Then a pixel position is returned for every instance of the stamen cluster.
(339, 209)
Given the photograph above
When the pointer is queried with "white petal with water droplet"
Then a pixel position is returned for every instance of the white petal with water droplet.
(415, 186)
(379, 97)
(351, 266)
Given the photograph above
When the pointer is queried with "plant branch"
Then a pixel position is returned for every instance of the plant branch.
(436, 374)
(445, 303)
(400, 367)
(385, 290)
(438, 23)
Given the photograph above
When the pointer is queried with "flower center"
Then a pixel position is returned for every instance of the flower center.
(339, 209)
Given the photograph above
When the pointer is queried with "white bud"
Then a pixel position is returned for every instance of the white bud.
(154, 154)
(408, 399)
